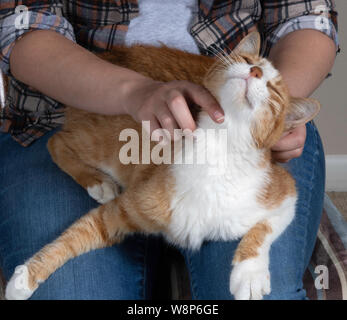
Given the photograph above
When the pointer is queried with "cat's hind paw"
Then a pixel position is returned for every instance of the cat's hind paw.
(18, 286)
(104, 192)
(250, 280)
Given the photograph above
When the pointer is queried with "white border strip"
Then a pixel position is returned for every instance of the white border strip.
(336, 172)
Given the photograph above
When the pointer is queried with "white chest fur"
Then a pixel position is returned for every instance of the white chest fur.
(221, 205)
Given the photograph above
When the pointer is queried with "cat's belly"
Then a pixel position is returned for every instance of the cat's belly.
(195, 219)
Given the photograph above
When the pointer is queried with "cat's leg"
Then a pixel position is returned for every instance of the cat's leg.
(100, 186)
(144, 207)
(250, 277)
(101, 227)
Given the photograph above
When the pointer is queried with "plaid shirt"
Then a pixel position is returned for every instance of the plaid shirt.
(99, 25)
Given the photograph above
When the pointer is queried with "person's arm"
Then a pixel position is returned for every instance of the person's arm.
(304, 58)
(67, 72)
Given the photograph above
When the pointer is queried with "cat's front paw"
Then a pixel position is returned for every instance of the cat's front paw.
(18, 286)
(250, 280)
(104, 192)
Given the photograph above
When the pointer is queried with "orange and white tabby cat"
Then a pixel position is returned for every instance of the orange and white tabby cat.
(253, 198)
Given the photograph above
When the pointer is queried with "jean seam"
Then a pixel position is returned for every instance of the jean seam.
(74, 279)
(191, 274)
(308, 201)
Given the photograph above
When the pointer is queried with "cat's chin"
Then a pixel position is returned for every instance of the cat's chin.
(246, 101)
(240, 86)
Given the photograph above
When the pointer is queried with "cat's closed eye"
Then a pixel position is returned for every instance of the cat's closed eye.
(273, 88)
(247, 60)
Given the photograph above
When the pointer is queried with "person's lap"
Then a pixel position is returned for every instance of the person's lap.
(38, 201)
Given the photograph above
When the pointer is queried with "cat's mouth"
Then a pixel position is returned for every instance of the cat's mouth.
(245, 91)
(241, 85)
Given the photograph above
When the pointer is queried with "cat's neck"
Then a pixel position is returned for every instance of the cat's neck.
(230, 161)
(236, 132)
(227, 147)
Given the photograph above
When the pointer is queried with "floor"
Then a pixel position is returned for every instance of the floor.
(339, 199)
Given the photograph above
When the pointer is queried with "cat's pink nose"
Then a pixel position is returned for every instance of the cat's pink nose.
(256, 72)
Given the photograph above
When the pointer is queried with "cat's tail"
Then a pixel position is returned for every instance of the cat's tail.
(99, 228)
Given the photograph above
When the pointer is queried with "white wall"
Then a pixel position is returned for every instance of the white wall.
(332, 119)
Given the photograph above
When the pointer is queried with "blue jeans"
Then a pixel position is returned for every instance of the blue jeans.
(38, 201)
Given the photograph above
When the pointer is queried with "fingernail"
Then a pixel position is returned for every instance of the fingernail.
(219, 116)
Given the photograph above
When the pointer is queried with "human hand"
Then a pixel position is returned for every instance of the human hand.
(165, 105)
(291, 145)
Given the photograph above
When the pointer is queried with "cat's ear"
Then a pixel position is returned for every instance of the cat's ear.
(301, 111)
(250, 44)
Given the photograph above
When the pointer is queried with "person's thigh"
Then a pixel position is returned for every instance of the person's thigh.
(210, 267)
(37, 202)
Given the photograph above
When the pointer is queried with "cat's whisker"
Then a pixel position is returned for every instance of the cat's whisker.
(217, 52)
(220, 52)
(222, 58)
(226, 57)
(232, 57)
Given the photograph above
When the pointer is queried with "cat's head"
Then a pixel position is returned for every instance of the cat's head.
(252, 93)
